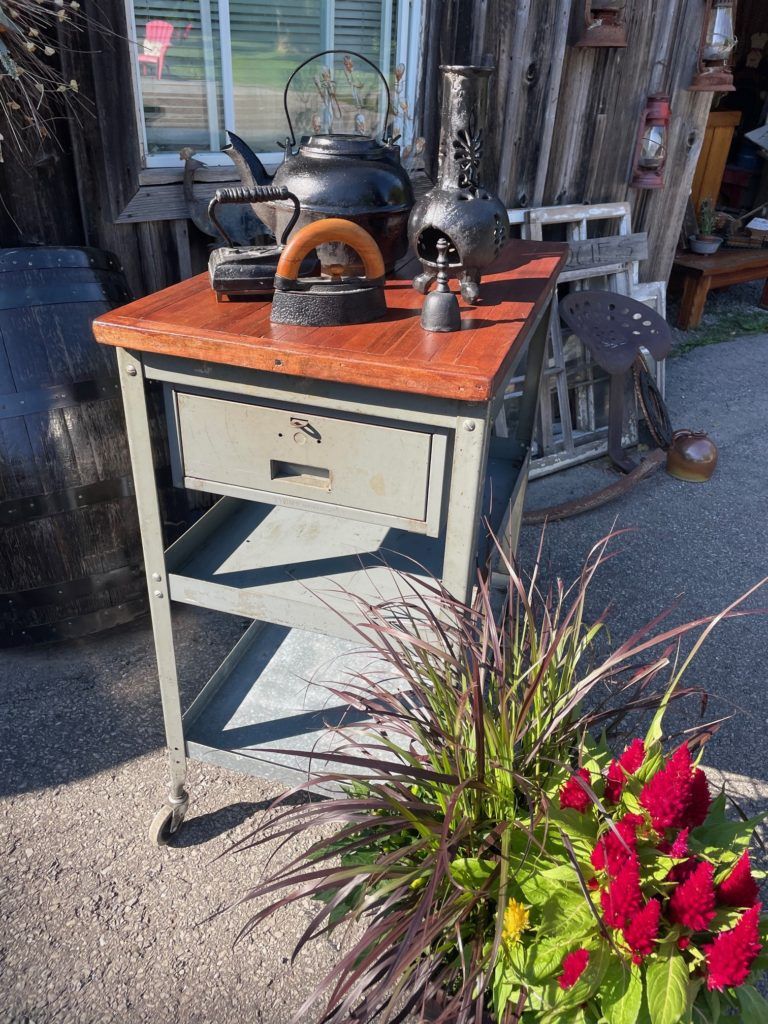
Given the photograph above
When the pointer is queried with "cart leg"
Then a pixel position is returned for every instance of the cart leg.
(139, 443)
(470, 456)
(535, 388)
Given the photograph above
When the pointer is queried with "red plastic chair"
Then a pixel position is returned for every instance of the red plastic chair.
(157, 39)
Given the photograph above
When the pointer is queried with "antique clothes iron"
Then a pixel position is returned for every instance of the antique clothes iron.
(345, 175)
(332, 300)
(248, 271)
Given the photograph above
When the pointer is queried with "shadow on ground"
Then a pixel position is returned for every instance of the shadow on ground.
(71, 710)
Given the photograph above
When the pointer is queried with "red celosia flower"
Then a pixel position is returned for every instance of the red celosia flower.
(730, 956)
(700, 799)
(623, 898)
(679, 847)
(611, 853)
(593, 884)
(574, 966)
(641, 931)
(692, 903)
(627, 764)
(683, 942)
(739, 889)
(573, 794)
(667, 795)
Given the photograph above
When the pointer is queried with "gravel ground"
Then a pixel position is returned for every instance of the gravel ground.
(98, 926)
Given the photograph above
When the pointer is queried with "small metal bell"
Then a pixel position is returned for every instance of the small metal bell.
(440, 311)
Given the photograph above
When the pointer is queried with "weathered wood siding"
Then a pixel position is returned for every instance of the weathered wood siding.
(564, 129)
(566, 119)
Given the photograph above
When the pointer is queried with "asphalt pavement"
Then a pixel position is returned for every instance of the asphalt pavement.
(98, 926)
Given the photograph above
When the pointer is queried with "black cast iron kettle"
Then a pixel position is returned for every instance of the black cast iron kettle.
(350, 176)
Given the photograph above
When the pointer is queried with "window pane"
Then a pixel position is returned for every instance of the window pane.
(191, 90)
(179, 58)
(268, 40)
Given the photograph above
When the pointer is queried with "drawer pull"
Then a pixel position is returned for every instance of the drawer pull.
(310, 476)
(307, 427)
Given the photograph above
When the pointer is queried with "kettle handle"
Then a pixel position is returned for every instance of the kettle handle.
(323, 53)
(331, 229)
(256, 194)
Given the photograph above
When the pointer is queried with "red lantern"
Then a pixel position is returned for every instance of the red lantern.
(718, 41)
(602, 24)
(652, 142)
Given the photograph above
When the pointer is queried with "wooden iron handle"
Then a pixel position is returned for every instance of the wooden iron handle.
(332, 229)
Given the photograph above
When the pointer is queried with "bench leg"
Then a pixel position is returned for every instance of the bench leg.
(763, 303)
(692, 305)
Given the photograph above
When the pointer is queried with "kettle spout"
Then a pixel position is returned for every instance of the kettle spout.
(251, 170)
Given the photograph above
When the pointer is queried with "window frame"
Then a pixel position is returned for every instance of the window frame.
(408, 36)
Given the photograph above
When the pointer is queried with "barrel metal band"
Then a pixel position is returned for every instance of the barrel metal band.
(70, 590)
(103, 291)
(37, 506)
(40, 505)
(61, 396)
(75, 626)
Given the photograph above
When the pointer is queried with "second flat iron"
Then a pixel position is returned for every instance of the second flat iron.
(248, 271)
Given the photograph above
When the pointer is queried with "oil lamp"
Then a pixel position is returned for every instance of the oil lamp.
(717, 44)
(602, 24)
(651, 149)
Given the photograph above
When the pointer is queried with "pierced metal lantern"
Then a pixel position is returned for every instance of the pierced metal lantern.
(603, 24)
(718, 40)
(652, 142)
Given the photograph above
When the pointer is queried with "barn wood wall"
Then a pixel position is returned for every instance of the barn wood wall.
(71, 190)
(564, 128)
(566, 119)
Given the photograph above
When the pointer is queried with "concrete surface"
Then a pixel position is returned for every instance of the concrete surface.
(97, 926)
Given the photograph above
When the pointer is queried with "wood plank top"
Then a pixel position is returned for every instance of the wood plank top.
(725, 261)
(393, 353)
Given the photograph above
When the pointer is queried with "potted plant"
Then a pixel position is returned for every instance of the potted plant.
(706, 242)
(501, 860)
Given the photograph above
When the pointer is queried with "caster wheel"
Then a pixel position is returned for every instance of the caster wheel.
(166, 823)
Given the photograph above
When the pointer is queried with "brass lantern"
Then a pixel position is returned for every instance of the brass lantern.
(652, 142)
(718, 40)
(602, 24)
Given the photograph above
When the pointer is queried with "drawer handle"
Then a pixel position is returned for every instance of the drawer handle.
(309, 476)
(307, 427)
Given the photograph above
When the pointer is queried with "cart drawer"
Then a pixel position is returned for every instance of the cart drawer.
(265, 452)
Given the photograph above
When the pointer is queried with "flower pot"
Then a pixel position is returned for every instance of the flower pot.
(705, 245)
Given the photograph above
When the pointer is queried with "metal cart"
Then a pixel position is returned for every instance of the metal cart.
(340, 454)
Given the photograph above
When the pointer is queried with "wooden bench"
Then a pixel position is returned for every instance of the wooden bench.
(724, 268)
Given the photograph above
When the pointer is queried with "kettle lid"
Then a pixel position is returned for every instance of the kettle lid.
(359, 147)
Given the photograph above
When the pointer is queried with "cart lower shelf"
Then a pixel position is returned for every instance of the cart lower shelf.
(272, 692)
(306, 569)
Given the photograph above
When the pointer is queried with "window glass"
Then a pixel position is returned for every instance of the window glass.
(207, 65)
(178, 49)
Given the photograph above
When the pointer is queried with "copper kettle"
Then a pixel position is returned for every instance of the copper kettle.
(692, 456)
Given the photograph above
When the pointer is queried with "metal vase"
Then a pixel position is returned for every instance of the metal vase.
(460, 207)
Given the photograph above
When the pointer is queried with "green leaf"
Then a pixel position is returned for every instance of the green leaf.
(544, 958)
(709, 1004)
(667, 982)
(622, 993)
(576, 825)
(714, 836)
(471, 872)
(567, 917)
(754, 1009)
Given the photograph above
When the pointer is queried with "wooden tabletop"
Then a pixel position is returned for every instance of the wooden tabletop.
(393, 353)
(725, 261)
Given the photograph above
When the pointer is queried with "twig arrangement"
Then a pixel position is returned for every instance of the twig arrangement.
(33, 89)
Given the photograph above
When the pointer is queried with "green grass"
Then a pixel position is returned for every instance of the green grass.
(729, 326)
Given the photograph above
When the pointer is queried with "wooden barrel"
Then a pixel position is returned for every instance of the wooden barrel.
(70, 553)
